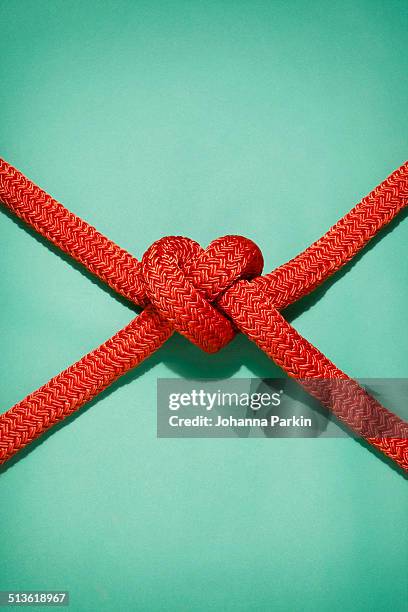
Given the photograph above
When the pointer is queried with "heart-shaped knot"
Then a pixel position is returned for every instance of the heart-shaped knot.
(183, 281)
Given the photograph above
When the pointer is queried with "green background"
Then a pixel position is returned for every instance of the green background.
(268, 119)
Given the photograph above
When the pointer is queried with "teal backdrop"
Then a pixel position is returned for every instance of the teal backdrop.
(268, 119)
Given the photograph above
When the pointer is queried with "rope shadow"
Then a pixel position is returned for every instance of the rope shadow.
(200, 365)
(310, 300)
(50, 246)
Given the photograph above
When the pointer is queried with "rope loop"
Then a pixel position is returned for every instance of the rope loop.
(183, 281)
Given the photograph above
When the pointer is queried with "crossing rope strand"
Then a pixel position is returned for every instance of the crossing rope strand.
(206, 295)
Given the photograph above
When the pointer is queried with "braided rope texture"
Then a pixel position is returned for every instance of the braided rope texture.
(207, 295)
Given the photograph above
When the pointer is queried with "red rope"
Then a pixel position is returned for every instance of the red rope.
(205, 295)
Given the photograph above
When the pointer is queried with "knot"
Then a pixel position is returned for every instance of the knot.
(184, 281)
